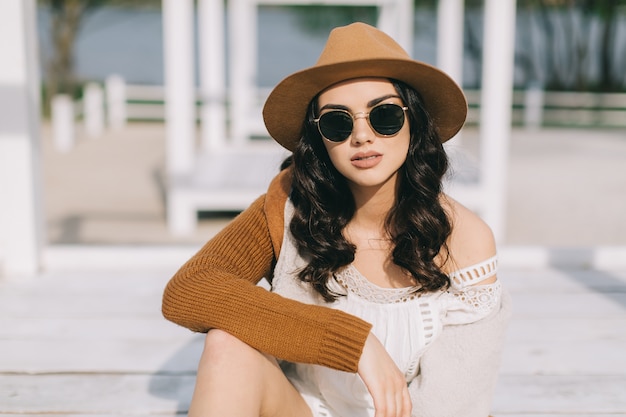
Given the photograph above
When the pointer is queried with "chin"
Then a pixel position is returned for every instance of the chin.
(370, 182)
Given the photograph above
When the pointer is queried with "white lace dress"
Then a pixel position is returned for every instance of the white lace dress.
(404, 322)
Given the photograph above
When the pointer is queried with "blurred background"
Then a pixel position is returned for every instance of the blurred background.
(565, 172)
(566, 177)
(131, 132)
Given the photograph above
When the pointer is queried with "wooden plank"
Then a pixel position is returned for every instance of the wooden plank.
(556, 414)
(521, 280)
(69, 305)
(121, 414)
(107, 394)
(566, 330)
(574, 306)
(90, 345)
(566, 293)
(142, 394)
(555, 394)
(91, 282)
(154, 329)
(86, 295)
(565, 346)
(100, 356)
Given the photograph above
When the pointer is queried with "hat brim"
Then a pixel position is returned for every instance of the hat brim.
(285, 108)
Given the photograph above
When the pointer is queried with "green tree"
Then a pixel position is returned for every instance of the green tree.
(67, 18)
(320, 20)
(572, 21)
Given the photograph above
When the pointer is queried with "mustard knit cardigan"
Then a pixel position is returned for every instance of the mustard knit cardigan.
(217, 288)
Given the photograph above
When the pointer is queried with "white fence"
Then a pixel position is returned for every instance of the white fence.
(115, 103)
(535, 108)
(531, 107)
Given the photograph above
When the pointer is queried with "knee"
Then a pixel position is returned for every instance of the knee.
(216, 338)
(221, 345)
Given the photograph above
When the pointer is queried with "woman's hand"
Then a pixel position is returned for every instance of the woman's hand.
(384, 380)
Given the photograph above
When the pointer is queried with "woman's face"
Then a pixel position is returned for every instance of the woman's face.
(366, 158)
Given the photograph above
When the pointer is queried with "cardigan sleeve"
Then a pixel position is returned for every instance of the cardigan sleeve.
(458, 372)
(217, 288)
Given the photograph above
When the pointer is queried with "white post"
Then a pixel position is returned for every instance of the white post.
(180, 111)
(450, 41)
(450, 38)
(212, 73)
(62, 120)
(116, 101)
(93, 110)
(495, 114)
(243, 56)
(406, 16)
(396, 19)
(21, 217)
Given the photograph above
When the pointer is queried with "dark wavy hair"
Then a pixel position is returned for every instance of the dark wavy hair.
(417, 224)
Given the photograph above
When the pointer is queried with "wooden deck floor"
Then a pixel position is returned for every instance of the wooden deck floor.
(93, 343)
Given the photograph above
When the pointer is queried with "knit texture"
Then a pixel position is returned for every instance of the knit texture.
(217, 288)
(458, 373)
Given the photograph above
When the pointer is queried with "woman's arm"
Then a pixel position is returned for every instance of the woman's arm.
(217, 288)
(240, 253)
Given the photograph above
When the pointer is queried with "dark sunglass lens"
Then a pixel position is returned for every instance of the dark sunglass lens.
(335, 126)
(387, 119)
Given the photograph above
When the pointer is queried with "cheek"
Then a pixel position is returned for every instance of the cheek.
(402, 145)
(334, 151)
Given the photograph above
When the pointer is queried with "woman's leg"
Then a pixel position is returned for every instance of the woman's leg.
(236, 380)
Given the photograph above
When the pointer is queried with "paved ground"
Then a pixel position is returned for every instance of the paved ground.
(86, 338)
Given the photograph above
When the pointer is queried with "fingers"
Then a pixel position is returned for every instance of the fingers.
(407, 405)
(384, 381)
(394, 403)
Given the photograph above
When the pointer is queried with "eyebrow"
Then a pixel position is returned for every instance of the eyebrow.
(370, 103)
(375, 101)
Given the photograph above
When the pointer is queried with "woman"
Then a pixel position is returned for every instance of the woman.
(384, 298)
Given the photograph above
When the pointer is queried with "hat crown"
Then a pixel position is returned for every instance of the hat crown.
(359, 42)
(361, 51)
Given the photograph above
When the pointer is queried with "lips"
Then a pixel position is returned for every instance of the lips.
(366, 159)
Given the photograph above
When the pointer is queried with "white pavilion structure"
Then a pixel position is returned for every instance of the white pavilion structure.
(228, 169)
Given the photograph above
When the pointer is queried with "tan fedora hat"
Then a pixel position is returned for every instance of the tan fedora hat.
(354, 51)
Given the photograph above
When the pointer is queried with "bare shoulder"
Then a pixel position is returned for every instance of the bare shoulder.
(471, 240)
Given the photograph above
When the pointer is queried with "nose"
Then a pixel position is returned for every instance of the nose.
(361, 130)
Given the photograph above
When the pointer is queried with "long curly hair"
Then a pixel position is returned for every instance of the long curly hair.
(417, 224)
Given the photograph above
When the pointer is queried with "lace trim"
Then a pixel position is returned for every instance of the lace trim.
(481, 298)
(475, 273)
(353, 281)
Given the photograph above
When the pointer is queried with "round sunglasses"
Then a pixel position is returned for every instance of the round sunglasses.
(385, 119)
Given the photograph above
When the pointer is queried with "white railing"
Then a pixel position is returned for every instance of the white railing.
(536, 108)
(119, 102)
(533, 107)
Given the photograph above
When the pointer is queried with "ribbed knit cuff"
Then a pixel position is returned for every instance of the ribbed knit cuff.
(342, 346)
